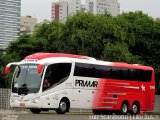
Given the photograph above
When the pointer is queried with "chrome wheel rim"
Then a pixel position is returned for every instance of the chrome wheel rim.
(124, 108)
(63, 106)
(134, 108)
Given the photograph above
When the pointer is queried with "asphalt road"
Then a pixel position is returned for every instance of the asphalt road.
(53, 116)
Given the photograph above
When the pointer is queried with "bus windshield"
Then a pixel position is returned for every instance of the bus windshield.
(26, 79)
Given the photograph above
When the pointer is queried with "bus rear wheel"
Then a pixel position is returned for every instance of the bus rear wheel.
(63, 107)
(135, 108)
(35, 111)
(124, 108)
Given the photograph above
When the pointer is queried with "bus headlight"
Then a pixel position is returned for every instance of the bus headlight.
(35, 100)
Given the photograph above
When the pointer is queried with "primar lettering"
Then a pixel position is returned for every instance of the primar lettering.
(85, 83)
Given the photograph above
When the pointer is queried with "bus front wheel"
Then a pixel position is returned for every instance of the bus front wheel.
(35, 111)
(63, 107)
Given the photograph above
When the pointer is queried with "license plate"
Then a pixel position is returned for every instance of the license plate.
(22, 104)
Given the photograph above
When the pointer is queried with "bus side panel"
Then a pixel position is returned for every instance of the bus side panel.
(82, 98)
(52, 97)
(83, 92)
(111, 93)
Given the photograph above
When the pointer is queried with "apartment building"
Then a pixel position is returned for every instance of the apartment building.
(103, 6)
(9, 21)
(64, 8)
(73, 6)
(59, 11)
(27, 24)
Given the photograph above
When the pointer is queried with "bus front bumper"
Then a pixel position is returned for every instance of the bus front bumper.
(34, 103)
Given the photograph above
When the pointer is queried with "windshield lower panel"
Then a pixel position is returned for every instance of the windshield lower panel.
(26, 79)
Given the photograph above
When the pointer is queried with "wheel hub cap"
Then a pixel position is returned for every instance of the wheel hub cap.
(134, 108)
(124, 108)
(63, 106)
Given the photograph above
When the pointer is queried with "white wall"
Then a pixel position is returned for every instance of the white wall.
(100, 6)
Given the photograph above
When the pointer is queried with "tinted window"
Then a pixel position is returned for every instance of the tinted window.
(57, 73)
(85, 70)
(102, 71)
(111, 72)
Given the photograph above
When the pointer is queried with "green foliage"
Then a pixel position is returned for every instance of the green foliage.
(51, 34)
(119, 53)
(86, 32)
(131, 37)
(4, 60)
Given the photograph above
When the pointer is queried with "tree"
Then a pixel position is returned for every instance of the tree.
(86, 32)
(131, 37)
(25, 45)
(51, 33)
(139, 30)
(119, 53)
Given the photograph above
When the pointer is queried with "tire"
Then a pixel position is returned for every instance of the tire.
(102, 112)
(96, 112)
(63, 107)
(35, 111)
(124, 108)
(135, 108)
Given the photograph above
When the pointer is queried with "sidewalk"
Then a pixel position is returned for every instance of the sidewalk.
(152, 113)
(12, 112)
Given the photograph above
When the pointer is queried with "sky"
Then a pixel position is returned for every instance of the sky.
(41, 9)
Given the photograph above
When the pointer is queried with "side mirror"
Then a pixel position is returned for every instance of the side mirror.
(6, 70)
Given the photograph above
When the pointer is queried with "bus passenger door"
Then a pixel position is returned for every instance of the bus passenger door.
(78, 99)
(82, 95)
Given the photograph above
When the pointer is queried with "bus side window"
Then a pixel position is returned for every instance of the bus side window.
(125, 74)
(147, 75)
(58, 73)
(115, 73)
(84, 70)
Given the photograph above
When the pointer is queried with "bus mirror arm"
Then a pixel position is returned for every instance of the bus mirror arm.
(7, 68)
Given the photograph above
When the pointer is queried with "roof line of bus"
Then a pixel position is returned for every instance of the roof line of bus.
(40, 56)
(83, 59)
(114, 64)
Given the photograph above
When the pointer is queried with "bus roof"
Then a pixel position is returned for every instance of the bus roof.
(40, 56)
(84, 59)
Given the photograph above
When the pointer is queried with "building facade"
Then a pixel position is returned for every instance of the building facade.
(27, 24)
(59, 11)
(74, 6)
(83, 7)
(64, 8)
(9, 21)
(103, 6)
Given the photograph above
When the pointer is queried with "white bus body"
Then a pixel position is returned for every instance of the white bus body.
(44, 81)
(77, 94)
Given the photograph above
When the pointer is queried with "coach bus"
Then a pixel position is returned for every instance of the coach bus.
(57, 81)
